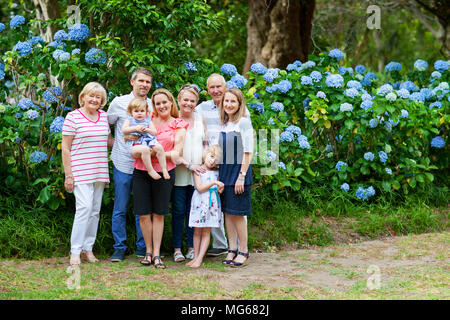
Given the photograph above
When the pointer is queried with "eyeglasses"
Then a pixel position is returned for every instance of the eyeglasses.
(190, 86)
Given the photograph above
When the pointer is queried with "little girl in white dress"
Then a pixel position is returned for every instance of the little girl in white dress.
(206, 212)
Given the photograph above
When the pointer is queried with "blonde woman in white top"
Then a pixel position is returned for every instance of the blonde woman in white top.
(191, 163)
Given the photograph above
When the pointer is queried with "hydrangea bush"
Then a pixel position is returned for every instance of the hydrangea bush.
(353, 130)
(39, 84)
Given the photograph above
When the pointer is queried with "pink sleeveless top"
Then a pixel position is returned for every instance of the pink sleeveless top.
(166, 138)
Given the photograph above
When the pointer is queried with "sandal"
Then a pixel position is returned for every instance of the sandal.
(89, 257)
(230, 260)
(190, 255)
(241, 264)
(146, 262)
(178, 256)
(159, 264)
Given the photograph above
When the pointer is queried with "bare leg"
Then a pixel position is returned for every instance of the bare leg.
(147, 231)
(161, 156)
(232, 235)
(158, 228)
(241, 229)
(143, 152)
(197, 240)
(204, 244)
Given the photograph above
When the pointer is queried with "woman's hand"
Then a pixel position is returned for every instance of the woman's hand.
(239, 186)
(197, 169)
(68, 183)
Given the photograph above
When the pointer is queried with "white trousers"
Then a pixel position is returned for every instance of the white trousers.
(88, 200)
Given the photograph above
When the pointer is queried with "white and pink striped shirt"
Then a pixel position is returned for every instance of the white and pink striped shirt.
(89, 152)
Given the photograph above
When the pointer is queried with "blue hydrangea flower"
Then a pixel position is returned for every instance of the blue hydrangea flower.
(271, 155)
(436, 75)
(336, 54)
(16, 21)
(345, 187)
(24, 48)
(281, 165)
(258, 68)
(284, 86)
(321, 95)
(292, 67)
(270, 75)
(2, 27)
(342, 70)
(403, 93)
(35, 40)
(351, 92)
(37, 157)
(277, 106)
(404, 114)
(436, 104)
(51, 94)
(190, 66)
(32, 114)
(60, 35)
(232, 85)
(79, 32)
(334, 81)
(417, 96)
(340, 165)
(95, 55)
(383, 156)
(408, 85)
(258, 106)
(297, 63)
(391, 97)
(420, 65)
(2, 74)
(366, 96)
(307, 65)
(388, 171)
(369, 156)
(303, 142)
(346, 107)
(393, 66)
(57, 124)
(360, 68)
(373, 123)
(316, 76)
(365, 194)
(367, 80)
(294, 129)
(438, 142)
(354, 84)
(286, 136)
(25, 103)
(76, 51)
(305, 80)
(228, 69)
(385, 89)
(239, 80)
(57, 44)
(441, 65)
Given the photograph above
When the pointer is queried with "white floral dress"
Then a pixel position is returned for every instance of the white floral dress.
(206, 211)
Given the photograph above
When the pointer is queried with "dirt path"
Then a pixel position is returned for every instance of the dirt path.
(408, 267)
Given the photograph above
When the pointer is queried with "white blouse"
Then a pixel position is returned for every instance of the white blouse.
(192, 152)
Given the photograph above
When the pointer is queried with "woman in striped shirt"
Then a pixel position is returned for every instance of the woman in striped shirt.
(85, 138)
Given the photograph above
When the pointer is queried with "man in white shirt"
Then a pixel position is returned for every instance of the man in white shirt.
(141, 82)
(216, 86)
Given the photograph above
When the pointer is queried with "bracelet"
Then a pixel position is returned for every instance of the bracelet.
(189, 166)
(241, 179)
(69, 176)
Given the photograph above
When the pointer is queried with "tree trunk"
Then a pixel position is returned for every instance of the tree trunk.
(278, 32)
(47, 10)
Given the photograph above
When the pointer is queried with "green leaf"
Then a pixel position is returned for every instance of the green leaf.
(44, 195)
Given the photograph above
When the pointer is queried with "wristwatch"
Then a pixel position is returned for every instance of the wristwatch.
(242, 173)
